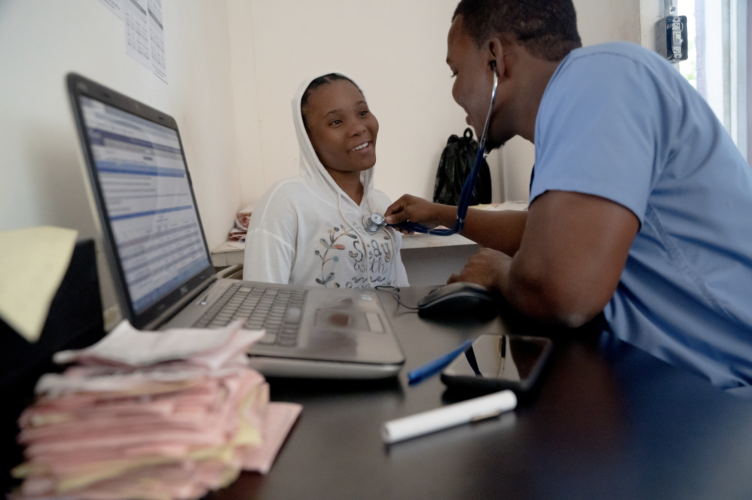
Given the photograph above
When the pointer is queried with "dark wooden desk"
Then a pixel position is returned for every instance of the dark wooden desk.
(607, 421)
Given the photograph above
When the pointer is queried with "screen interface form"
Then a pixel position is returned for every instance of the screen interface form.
(148, 199)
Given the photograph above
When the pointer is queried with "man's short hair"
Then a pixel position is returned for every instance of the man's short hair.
(546, 28)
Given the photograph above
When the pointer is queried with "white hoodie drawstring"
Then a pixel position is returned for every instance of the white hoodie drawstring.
(362, 240)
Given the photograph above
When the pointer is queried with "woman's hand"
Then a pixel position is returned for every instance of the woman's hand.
(418, 210)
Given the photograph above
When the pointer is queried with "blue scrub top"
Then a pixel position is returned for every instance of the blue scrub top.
(618, 121)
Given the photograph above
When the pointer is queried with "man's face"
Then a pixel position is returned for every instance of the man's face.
(473, 81)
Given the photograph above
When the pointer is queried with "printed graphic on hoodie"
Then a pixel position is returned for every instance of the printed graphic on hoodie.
(373, 260)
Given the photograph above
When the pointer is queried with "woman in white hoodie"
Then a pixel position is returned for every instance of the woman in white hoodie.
(308, 230)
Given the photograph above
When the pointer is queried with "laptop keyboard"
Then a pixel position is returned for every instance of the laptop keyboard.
(277, 311)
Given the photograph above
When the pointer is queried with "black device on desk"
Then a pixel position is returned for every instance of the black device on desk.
(460, 298)
(73, 322)
(497, 362)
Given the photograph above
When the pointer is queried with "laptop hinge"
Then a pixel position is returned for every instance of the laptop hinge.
(179, 305)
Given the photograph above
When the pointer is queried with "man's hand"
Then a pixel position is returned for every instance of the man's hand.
(498, 230)
(488, 268)
(418, 210)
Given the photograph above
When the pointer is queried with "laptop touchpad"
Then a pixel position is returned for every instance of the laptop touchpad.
(342, 319)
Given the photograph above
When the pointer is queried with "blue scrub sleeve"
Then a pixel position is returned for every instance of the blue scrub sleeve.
(598, 132)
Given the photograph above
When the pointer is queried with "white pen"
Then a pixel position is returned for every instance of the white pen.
(448, 416)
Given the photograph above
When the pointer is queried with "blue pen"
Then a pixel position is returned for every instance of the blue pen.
(435, 366)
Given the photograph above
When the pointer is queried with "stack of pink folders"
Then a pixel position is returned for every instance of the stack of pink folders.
(151, 415)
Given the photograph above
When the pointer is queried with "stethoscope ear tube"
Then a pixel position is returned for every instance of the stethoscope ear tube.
(467, 187)
(459, 222)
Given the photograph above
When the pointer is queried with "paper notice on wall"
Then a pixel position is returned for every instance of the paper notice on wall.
(156, 39)
(137, 31)
(33, 262)
(115, 6)
(144, 34)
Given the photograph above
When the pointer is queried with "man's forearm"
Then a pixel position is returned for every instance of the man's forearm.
(541, 298)
(500, 231)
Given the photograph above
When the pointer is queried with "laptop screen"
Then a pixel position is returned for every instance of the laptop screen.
(148, 201)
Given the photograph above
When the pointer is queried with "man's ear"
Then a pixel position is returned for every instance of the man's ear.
(495, 53)
(498, 49)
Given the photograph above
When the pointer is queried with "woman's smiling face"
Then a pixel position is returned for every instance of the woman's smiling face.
(341, 127)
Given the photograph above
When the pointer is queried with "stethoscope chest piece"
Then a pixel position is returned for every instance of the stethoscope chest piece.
(372, 223)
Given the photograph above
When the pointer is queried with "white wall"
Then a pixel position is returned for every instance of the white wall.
(598, 21)
(41, 40)
(394, 49)
(651, 11)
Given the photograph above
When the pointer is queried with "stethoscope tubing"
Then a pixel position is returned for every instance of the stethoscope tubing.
(467, 187)
(462, 207)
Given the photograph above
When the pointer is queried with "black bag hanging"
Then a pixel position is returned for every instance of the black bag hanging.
(454, 166)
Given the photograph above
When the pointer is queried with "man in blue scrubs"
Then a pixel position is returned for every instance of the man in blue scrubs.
(641, 205)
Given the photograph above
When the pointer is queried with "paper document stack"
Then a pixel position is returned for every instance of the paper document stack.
(151, 415)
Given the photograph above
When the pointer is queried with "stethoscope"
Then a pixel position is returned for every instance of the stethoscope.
(372, 223)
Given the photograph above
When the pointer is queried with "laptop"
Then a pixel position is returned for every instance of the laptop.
(141, 189)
